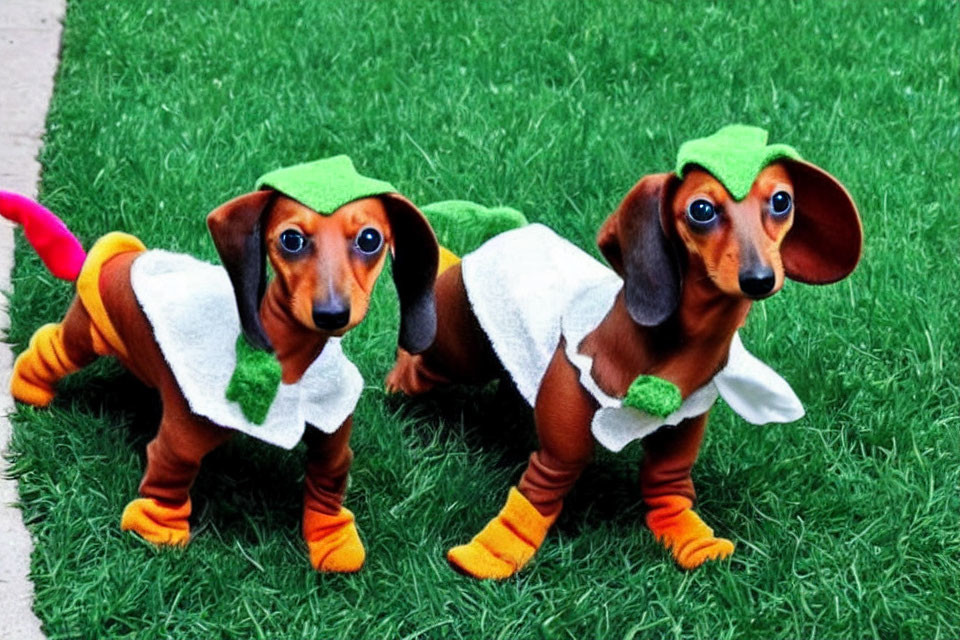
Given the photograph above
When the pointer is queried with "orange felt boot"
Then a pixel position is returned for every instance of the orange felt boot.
(680, 529)
(156, 522)
(333, 541)
(39, 368)
(507, 543)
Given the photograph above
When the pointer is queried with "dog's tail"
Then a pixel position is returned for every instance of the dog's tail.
(59, 249)
(462, 226)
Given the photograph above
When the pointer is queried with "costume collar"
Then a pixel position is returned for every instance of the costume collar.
(189, 305)
(734, 155)
(750, 387)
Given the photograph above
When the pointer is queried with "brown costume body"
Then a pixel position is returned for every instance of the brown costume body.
(688, 288)
(183, 438)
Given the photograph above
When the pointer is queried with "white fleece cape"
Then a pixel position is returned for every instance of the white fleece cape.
(529, 286)
(193, 313)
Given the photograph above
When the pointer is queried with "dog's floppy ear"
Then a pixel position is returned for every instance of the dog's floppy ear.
(415, 258)
(826, 238)
(237, 230)
(634, 242)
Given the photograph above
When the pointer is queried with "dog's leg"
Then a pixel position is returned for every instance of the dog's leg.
(508, 542)
(460, 352)
(161, 514)
(55, 350)
(328, 528)
(667, 489)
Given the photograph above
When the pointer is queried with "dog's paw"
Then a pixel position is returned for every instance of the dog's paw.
(677, 526)
(161, 524)
(333, 542)
(410, 376)
(392, 383)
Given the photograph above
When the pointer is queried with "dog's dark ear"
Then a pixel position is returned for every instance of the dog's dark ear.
(237, 230)
(608, 240)
(415, 258)
(826, 239)
(634, 242)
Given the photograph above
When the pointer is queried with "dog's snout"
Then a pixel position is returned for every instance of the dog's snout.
(757, 281)
(331, 314)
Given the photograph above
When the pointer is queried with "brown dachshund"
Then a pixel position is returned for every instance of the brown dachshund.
(689, 260)
(325, 265)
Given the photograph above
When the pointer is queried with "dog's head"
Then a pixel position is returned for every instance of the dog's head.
(327, 264)
(795, 221)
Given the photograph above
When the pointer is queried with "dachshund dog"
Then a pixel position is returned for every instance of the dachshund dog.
(689, 261)
(325, 265)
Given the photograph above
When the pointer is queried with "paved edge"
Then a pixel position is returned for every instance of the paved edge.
(30, 32)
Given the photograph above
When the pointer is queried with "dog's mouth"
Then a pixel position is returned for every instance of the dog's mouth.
(332, 333)
(758, 296)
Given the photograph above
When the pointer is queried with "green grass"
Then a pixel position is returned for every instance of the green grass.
(847, 523)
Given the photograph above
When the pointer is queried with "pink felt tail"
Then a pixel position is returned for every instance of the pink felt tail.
(57, 247)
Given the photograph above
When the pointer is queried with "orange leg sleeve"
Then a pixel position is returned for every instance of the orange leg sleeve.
(86, 331)
(161, 514)
(508, 542)
(329, 529)
(55, 351)
(667, 490)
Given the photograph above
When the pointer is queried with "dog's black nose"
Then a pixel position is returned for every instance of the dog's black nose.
(757, 282)
(331, 315)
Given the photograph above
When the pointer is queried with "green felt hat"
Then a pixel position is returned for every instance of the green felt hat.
(324, 185)
(734, 155)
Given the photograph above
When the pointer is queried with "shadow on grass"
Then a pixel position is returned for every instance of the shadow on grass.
(493, 418)
(248, 482)
(496, 420)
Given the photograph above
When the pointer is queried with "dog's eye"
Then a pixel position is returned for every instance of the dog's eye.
(780, 203)
(292, 241)
(369, 240)
(701, 211)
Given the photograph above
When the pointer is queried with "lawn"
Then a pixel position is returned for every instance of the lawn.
(847, 523)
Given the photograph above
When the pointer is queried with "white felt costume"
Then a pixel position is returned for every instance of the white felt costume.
(191, 308)
(529, 286)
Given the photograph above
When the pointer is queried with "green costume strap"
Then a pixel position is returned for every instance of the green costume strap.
(461, 226)
(255, 381)
(653, 395)
(734, 155)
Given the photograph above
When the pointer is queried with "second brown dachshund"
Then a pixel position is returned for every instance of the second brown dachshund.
(691, 250)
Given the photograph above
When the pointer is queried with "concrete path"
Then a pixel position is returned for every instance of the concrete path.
(29, 53)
